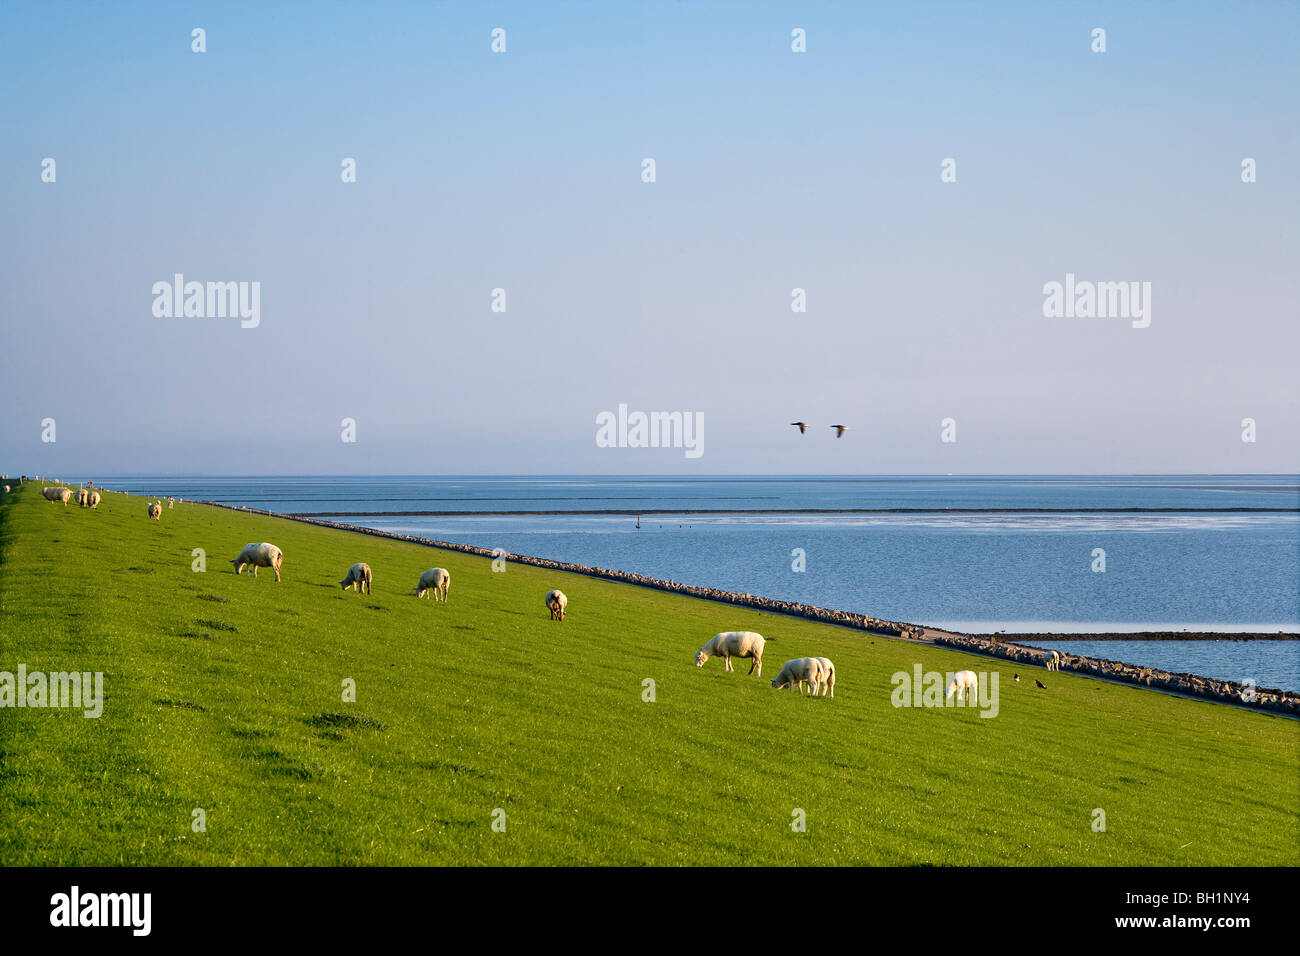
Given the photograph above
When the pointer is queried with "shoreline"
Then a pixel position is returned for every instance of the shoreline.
(1047, 636)
(1189, 685)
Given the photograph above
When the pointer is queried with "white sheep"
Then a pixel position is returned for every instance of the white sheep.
(94, 499)
(55, 493)
(435, 580)
(171, 502)
(6, 489)
(729, 644)
(799, 671)
(828, 676)
(556, 602)
(1054, 662)
(83, 497)
(256, 556)
(155, 510)
(963, 684)
(357, 578)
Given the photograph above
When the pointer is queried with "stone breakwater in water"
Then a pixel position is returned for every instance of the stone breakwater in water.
(1286, 702)
(1021, 638)
(1231, 692)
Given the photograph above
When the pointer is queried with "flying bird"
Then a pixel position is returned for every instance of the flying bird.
(802, 426)
(839, 430)
(1040, 684)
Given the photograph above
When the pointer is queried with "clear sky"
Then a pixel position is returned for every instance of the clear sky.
(775, 170)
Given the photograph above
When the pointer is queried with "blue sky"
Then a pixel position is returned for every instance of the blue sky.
(775, 170)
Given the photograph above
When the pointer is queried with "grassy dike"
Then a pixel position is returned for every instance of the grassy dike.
(225, 693)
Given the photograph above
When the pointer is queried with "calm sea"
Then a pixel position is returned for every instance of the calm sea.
(1207, 568)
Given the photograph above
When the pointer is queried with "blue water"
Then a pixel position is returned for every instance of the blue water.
(1000, 572)
(1270, 664)
(405, 493)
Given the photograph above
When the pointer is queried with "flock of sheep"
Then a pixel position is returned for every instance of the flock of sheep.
(435, 582)
(816, 672)
(86, 498)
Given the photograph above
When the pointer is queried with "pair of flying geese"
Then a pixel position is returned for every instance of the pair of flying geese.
(803, 427)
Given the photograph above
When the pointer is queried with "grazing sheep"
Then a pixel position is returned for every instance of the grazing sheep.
(962, 684)
(55, 493)
(357, 578)
(155, 510)
(94, 499)
(171, 502)
(257, 556)
(6, 489)
(729, 644)
(799, 671)
(556, 602)
(83, 497)
(434, 580)
(828, 676)
(1054, 662)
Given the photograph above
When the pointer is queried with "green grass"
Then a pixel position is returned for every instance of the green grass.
(225, 693)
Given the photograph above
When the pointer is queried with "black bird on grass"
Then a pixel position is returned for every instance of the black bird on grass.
(1016, 678)
(1038, 683)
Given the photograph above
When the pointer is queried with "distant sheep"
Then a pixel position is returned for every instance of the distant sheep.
(556, 602)
(799, 671)
(435, 580)
(256, 556)
(94, 499)
(729, 644)
(83, 497)
(963, 684)
(6, 489)
(155, 510)
(357, 578)
(55, 493)
(1054, 662)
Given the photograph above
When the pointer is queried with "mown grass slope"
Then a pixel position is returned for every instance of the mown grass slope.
(225, 693)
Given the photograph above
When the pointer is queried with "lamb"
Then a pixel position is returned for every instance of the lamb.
(436, 580)
(798, 671)
(55, 493)
(962, 684)
(83, 497)
(155, 511)
(1054, 662)
(556, 602)
(729, 644)
(357, 578)
(94, 499)
(256, 556)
